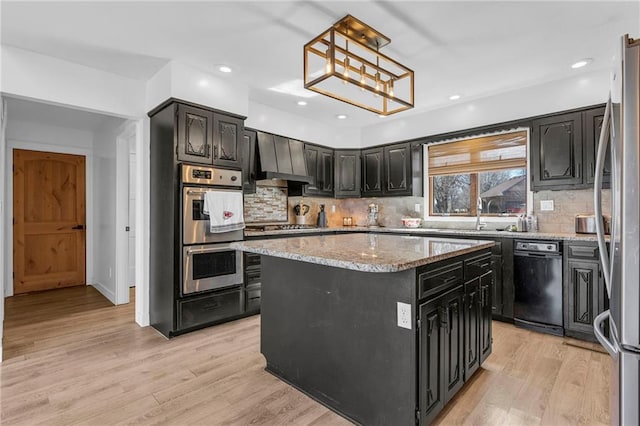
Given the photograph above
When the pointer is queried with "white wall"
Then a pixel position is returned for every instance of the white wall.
(23, 134)
(104, 214)
(587, 89)
(3, 182)
(263, 117)
(31, 75)
(180, 81)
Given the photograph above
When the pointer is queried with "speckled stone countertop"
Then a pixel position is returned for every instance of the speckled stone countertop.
(365, 252)
(432, 232)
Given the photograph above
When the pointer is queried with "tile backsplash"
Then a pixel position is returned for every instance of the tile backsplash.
(268, 204)
(271, 204)
(567, 204)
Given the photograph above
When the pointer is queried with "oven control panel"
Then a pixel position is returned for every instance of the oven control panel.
(202, 175)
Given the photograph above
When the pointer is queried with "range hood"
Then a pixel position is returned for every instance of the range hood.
(282, 158)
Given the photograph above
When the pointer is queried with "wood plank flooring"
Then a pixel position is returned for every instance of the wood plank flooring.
(70, 357)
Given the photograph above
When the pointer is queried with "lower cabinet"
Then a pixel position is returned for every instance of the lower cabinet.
(252, 282)
(455, 335)
(585, 293)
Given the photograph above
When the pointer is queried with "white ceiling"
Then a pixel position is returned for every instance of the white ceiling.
(475, 48)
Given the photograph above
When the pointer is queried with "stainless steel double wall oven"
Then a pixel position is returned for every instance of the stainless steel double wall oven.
(211, 271)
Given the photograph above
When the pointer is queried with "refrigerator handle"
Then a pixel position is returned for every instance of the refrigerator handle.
(597, 323)
(603, 143)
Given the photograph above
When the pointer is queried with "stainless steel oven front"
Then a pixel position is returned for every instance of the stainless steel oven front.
(209, 267)
(195, 224)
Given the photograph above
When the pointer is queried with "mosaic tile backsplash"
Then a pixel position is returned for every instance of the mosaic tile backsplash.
(268, 204)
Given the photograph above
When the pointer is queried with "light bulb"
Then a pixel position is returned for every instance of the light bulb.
(363, 81)
(391, 88)
(328, 68)
(345, 73)
(377, 83)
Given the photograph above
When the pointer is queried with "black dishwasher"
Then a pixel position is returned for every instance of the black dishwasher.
(538, 286)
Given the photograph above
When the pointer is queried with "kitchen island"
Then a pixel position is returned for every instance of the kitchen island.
(383, 329)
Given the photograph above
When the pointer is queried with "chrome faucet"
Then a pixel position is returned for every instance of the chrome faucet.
(479, 225)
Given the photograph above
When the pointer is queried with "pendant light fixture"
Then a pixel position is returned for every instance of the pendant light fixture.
(349, 53)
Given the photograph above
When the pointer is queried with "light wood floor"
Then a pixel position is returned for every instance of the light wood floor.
(70, 357)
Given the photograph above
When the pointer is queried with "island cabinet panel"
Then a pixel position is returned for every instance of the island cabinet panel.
(454, 344)
(486, 307)
(333, 333)
(432, 359)
(472, 327)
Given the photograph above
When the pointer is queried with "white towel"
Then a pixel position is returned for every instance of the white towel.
(225, 210)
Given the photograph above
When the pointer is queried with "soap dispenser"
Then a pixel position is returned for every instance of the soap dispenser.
(322, 217)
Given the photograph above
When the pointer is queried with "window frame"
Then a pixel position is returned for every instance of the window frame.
(474, 186)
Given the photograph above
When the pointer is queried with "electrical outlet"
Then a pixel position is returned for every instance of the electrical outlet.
(546, 205)
(416, 207)
(404, 315)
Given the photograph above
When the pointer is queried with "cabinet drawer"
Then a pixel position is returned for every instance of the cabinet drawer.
(440, 279)
(209, 308)
(251, 259)
(584, 252)
(477, 266)
(252, 297)
(252, 277)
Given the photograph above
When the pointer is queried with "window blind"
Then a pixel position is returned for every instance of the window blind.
(480, 154)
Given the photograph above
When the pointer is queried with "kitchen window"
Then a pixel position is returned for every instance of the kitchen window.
(492, 167)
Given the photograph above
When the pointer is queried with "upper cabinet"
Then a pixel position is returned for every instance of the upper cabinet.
(372, 166)
(397, 169)
(194, 134)
(319, 166)
(227, 137)
(347, 173)
(563, 150)
(208, 137)
(556, 151)
(593, 125)
(248, 156)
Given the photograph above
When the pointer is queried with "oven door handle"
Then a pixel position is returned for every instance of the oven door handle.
(210, 250)
(196, 192)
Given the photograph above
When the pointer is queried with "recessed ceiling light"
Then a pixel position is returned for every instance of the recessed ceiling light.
(341, 117)
(454, 97)
(203, 83)
(294, 88)
(225, 68)
(581, 63)
(302, 103)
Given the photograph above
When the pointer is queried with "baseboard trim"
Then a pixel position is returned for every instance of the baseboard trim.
(105, 292)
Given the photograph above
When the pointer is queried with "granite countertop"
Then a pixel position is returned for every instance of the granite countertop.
(432, 231)
(365, 252)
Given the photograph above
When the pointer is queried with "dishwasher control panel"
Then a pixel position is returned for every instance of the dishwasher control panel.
(538, 246)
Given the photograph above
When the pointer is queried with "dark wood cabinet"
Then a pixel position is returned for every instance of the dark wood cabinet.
(556, 151)
(472, 327)
(585, 292)
(227, 140)
(319, 166)
(397, 169)
(431, 359)
(593, 125)
(486, 335)
(564, 148)
(454, 323)
(496, 284)
(453, 320)
(208, 137)
(195, 128)
(372, 170)
(441, 351)
(347, 173)
(248, 156)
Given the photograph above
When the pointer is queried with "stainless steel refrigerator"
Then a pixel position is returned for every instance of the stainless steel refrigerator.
(621, 263)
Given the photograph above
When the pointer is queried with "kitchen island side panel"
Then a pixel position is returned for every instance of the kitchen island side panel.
(333, 334)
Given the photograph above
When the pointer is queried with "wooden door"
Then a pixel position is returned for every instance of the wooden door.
(49, 219)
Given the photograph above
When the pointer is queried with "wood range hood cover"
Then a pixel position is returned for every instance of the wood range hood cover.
(282, 158)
